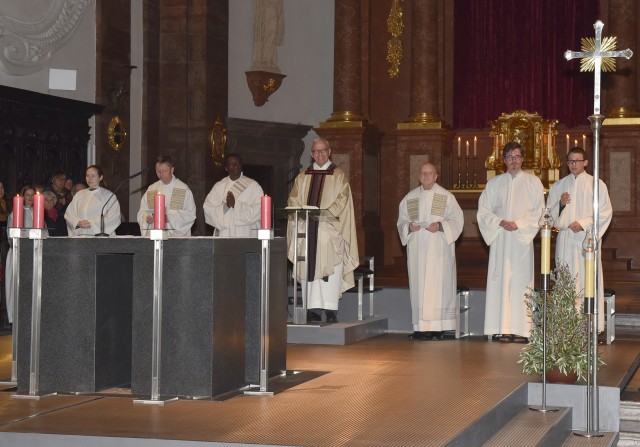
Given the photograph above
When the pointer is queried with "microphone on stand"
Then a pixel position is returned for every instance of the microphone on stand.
(102, 233)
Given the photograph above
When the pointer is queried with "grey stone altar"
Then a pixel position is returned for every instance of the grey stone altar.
(96, 327)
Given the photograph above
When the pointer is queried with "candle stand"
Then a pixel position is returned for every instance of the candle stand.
(158, 237)
(459, 183)
(38, 235)
(266, 236)
(15, 234)
(546, 224)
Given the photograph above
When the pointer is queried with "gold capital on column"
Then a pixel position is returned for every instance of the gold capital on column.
(344, 119)
(423, 121)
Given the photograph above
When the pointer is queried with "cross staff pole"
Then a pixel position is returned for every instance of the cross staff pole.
(597, 55)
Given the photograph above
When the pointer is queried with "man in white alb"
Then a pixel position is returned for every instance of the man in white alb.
(232, 206)
(508, 212)
(180, 211)
(429, 222)
(571, 204)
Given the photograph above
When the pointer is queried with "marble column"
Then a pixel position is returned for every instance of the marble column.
(424, 63)
(347, 95)
(622, 89)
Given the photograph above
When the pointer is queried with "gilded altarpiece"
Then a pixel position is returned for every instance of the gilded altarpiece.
(536, 135)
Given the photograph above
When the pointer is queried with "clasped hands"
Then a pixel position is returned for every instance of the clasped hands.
(508, 225)
(434, 227)
(231, 200)
(150, 217)
(574, 226)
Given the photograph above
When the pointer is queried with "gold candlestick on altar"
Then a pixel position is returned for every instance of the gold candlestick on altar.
(475, 174)
(459, 183)
(467, 184)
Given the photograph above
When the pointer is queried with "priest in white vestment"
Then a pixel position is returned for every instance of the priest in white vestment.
(571, 204)
(232, 207)
(508, 212)
(333, 245)
(84, 215)
(180, 212)
(429, 223)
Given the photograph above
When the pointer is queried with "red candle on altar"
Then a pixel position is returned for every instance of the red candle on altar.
(265, 212)
(158, 212)
(18, 212)
(38, 210)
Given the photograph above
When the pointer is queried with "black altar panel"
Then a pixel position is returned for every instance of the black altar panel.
(97, 308)
(114, 295)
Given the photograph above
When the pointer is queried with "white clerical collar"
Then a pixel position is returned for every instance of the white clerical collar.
(166, 185)
(422, 188)
(322, 168)
(241, 174)
(579, 175)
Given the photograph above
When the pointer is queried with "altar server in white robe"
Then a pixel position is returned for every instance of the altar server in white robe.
(180, 208)
(86, 207)
(508, 212)
(28, 192)
(429, 223)
(571, 204)
(232, 206)
(333, 245)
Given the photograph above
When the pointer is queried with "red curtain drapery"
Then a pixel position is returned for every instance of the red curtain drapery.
(509, 55)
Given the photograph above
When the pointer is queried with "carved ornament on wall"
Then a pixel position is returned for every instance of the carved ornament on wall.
(262, 84)
(116, 132)
(218, 142)
(395, 26)
(26, 47)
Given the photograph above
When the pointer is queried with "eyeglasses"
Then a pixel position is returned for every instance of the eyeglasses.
(513, 157)
(574, 162)
(320, 151)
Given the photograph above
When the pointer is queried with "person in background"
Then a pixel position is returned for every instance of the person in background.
(180, 211)
(83, 215)
(429, 223)
(63, 195)
(232, 206)
(5, 206)
(77, 187)
(53, 218)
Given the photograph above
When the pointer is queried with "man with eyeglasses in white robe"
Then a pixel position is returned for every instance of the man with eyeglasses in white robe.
(571, 204)
(508, 212)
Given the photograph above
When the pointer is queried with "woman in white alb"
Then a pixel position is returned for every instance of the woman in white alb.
(84, 211)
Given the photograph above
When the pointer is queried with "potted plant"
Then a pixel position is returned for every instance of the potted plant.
(567, 327)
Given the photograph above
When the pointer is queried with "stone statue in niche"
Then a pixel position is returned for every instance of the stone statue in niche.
(268, 34)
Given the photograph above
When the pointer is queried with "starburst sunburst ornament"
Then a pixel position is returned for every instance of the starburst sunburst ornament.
(589, 46)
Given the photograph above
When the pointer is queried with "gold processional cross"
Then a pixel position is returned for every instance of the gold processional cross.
(597, 55)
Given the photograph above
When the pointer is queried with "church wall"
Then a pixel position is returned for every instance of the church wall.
(78, 53)
(306, 58)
